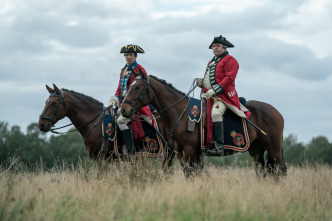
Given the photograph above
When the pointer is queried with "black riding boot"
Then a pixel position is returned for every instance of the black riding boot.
(218, 149)
(128, 139)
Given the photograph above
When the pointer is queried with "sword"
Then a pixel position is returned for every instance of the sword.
(255, 126)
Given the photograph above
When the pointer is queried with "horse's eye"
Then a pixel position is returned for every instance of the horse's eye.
(137, 87)
(53, 103)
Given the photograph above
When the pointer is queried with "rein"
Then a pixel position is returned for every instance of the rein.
(86, 124)
(51, 119)
(146, 88)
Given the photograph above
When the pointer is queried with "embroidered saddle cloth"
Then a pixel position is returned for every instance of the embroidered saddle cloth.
(236, 134)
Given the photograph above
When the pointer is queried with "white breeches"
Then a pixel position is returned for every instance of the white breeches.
(218, 110)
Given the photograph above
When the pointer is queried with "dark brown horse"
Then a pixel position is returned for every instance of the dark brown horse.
(85, 114)
(172, 107)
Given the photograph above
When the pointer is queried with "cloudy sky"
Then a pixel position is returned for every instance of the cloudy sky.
(284, 49)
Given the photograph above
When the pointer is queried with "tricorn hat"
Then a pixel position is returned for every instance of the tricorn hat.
(131, 49)
(221, 40)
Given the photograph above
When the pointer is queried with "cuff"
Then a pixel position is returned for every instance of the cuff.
(218, 89)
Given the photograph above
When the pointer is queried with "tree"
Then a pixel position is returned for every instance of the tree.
(319, 150)
(68, 147)
(294, 153)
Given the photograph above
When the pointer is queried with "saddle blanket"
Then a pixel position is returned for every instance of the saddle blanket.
(151, 145)
(236, 135)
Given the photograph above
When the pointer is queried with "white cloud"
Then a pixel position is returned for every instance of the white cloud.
(72, 23)
(309, 26)
(76, 45)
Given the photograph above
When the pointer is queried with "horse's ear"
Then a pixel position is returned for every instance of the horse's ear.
(141, 73)
(134, 72)
(49, 89)
(56, 89)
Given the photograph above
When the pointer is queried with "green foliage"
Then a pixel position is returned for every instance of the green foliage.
(319, 150)
(34, 146)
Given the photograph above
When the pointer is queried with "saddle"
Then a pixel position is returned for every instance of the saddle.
(151, 145)
(236, 135)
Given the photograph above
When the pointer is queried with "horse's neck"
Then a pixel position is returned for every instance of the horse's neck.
(166, 97)
(81, 111)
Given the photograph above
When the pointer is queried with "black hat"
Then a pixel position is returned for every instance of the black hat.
(221, 40)
(131, 49)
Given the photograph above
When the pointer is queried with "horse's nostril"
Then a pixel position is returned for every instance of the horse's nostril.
(41, 126)
(123, 111)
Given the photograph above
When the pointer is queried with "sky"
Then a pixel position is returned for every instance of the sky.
(283, 47)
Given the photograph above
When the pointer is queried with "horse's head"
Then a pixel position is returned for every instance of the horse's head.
(55, 109)
(138, 95)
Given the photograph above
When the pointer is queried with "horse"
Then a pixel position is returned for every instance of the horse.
(172, 106)
(85, 113)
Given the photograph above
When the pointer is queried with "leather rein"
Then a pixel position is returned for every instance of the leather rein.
(146, 89)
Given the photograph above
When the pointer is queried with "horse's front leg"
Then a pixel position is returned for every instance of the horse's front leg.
(168, 159)
(192, 161)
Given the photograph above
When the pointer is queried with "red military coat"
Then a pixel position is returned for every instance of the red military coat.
(225, 74)
(136, 126)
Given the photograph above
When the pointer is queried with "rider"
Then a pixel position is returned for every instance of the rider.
(218, 86)
(133, 132)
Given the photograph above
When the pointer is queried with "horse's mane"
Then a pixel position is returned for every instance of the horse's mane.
(91, 99)
(168, 84)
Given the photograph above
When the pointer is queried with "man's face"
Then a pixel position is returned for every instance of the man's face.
(130, 58)
(218, 49)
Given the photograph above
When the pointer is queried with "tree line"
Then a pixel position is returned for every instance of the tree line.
(35, 146)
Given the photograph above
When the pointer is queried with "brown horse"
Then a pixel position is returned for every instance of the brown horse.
(172, 106)
(85, 114)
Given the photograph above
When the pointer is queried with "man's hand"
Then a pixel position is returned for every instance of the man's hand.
(113, 101)
(199, 82)
(210, 93)
(123, 120)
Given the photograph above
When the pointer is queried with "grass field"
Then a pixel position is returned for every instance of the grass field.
(143, 191)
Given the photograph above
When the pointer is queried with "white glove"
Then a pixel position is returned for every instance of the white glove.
(113, 101)
(210, 93)
(123, 120)
(199, 82)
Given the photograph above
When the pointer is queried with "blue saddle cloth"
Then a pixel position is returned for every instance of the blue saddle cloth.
(236, 134)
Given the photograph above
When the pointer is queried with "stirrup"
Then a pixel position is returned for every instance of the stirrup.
(215, 151)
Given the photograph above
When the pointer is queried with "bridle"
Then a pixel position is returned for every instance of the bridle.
(145, 89)
(61, 101)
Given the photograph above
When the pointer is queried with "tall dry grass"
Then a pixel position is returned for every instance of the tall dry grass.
(143, 191)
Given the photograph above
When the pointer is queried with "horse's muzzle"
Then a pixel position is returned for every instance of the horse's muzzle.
(45, 127)
(127, 114)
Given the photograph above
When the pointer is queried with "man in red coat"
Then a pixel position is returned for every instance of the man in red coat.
(218, 87)
(134, 133)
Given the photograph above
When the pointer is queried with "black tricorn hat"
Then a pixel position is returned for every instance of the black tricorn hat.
(221, 40)
(131, 49)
